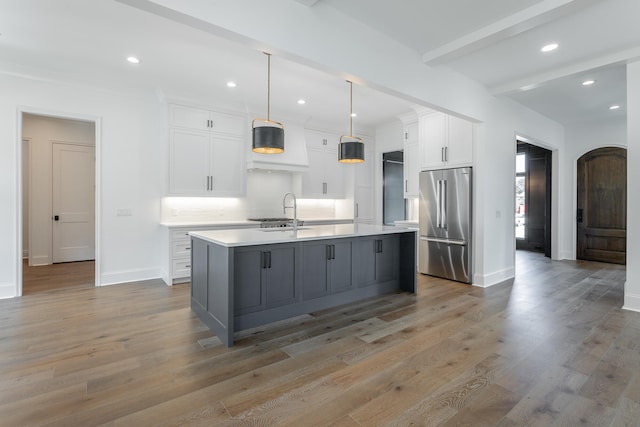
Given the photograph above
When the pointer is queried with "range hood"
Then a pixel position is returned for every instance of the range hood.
(294, 158)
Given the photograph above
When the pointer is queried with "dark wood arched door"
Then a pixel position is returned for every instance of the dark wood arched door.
(602, 205)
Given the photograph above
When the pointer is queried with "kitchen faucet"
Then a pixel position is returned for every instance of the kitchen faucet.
(294, 206)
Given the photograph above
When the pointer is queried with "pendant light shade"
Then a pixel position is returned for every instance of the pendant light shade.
(268, 138)
(351, 151)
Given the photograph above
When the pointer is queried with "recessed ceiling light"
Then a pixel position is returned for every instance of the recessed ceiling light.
(354, 115)
(614, 107)
(549, 47)
(231, 84)
(301, 101)
(133, 60)
(588, 82)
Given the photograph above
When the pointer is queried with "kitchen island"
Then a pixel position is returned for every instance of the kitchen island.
(249, 277)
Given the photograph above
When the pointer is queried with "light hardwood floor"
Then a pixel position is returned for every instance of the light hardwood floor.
(553, 348)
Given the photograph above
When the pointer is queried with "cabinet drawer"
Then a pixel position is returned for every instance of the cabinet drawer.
(181, 268)
(181, 248)
(180, 235)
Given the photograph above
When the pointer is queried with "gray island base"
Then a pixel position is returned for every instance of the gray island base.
(245, 278)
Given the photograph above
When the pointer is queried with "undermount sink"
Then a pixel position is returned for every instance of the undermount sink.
(270, 230)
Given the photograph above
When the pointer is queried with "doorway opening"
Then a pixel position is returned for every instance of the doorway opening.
(393, 202)
(58, 231)
(533, 198)
(602, 205)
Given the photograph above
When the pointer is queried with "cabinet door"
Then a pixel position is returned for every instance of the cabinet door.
(189, 117)
(433, 137)
(228, 124)
(333, 176)
(314, 270)
(366, 261)
(387, 258)
(411, 170)
(249, 291)
(190, 152)
(199, 283)
(411, 132)
(363, 209)
(313, 185)
(459, 142)
(364, 171)
(227, 166)
(281, 275)
(340, 266)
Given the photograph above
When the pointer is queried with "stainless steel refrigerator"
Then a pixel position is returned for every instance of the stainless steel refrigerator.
(445, 224)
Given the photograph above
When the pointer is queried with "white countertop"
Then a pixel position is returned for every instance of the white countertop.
(250, 237)
(407, 223)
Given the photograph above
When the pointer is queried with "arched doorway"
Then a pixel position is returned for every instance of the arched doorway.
(602, 205)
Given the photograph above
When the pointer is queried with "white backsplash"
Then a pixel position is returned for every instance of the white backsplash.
(265, 190)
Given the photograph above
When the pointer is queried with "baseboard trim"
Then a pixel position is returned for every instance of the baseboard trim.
(128, 276)
(495, 278)
(631, 301)
(7, 290)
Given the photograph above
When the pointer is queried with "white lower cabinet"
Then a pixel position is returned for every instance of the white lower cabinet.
(180, 250)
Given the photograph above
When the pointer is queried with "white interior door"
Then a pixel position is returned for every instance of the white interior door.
(73, 170)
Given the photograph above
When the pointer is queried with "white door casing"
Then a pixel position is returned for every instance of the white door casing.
(73, 202)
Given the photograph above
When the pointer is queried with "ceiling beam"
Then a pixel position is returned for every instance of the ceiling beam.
(537, 80)
(539, 14)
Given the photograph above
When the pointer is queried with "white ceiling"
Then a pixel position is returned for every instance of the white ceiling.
(495, 42)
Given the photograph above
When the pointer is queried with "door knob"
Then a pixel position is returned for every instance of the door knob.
(579, 216)
(56, 217)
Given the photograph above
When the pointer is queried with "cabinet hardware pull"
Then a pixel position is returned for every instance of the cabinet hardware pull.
(187, 249)
(406, 185)
(406, 135)
(187, 266)
(269, 258)
(442, 154)
(446, 154)
(328, 252)
(357, 213)
(333, 251)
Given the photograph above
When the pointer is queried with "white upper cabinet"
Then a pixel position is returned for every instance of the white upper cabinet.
(196, 118)
(325, 177)
(206, 152)
(445, 141)
(411, 160)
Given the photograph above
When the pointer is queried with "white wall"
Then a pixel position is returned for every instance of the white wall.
(580, 138)
(41, 131)
(131, 170)
(632, 285)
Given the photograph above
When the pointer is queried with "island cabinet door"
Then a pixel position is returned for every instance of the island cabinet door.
(281, 271)
(249, 283)
(315, 280)
(366, 248)
(341, 265)
(377, 259)
(387, 258)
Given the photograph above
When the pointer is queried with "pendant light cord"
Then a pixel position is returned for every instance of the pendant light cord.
(350, 108)
(268, 86)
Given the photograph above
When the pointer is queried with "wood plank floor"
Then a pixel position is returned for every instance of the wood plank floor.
(552, 348)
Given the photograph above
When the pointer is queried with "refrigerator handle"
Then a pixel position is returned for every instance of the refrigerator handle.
(438, 193)
(443, 204)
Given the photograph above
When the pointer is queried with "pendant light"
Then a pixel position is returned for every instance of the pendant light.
(351, 151)
(269, 137)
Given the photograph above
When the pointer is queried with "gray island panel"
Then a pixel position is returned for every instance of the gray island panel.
(249, 283)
